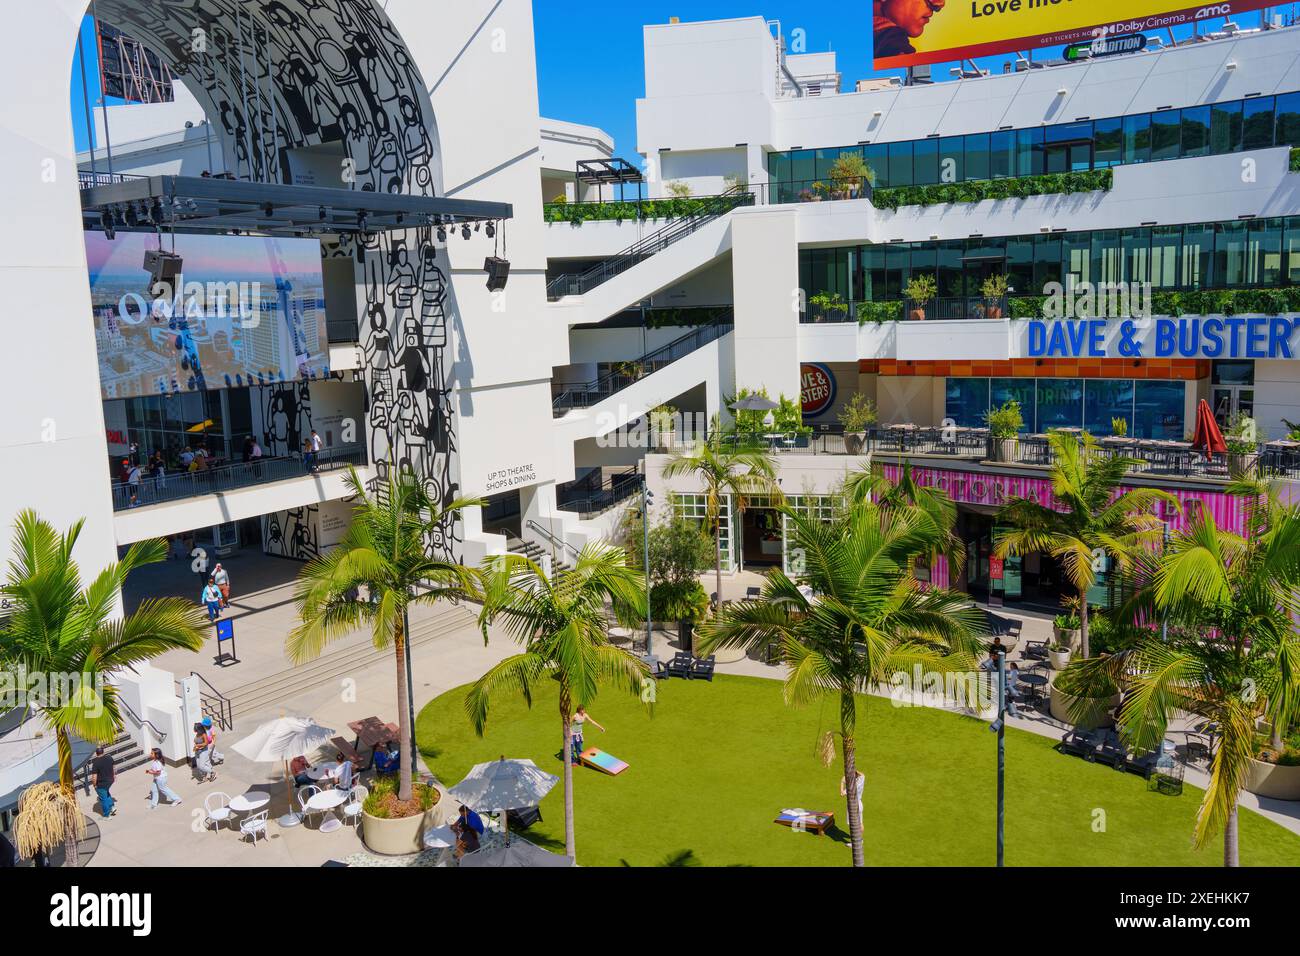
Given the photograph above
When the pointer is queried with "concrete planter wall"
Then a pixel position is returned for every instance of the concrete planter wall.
(1071, 639)
(1273, 780)
(395, 837)
(1059, 660)
(1061, 703)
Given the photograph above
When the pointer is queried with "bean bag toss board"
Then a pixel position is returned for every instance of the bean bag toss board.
(599, 760)
(813, 822)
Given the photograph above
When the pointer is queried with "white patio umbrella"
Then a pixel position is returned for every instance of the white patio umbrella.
(283, 739)
(518, 852)
(504, 785)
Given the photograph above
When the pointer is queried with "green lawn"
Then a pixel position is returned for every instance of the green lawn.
(716, 762)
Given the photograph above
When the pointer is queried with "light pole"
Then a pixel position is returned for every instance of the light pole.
(999, 726)
(646, 498)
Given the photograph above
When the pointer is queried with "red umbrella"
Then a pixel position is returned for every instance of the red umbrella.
(1207, 434)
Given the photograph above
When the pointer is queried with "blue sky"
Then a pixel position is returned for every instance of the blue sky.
(590, 64)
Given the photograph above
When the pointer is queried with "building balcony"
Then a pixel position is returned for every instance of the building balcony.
(225, 478)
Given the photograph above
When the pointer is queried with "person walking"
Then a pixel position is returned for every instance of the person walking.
(202, 748)
(157, 773)
(576, 723)
(222, 578)
(859, 785)
(316, 446)
(217, 756)
(212, 598)
(101, 778)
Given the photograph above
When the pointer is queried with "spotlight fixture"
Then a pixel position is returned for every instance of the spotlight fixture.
(442, 233)
(477, 225)
(464, 231)
(490, 229)
(106, 224)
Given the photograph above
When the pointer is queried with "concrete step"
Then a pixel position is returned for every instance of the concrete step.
(331, 665)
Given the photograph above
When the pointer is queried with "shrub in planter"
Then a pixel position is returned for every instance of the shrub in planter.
(1069, 703)
(879, 312)
(391, 826)
(1066, 630)
(827, 306)
(1004, 428)
(1276, 773)
(994, 288)
(1242, 438)
(920, 291)
(856, 416)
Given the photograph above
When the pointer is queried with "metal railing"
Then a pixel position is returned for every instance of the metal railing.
(89, 180)
(597, 493)
(657, 241)
(215, 704)
(586, 394)
(813, 190)
(556, 543)
(1173, 459)
(939, 308)
(190, 484)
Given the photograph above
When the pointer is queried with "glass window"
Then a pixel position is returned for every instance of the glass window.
(1002, 154)
(900, 164)
(1108, 142)
(1003, 390)
(803, 169)
(1047, 261)
(925, 162)
(923, 260)
(778, 167)
(1020, 265)
(897, 257)
(1137, 253)
(873, 266)
(1196, 131)
(1076, 256)
(1291, 251)
(1137, 138)
(1104, 400)
(1230, 253)
(952, 160)
(1107, 256)
(1166, 246)
(966, 400)
(1264, 252)
(1232, 372)
(1257, 123)
(1158, 411)
(877, 157)
(977, 156)
(1197, 268)
(1029, 152)
(950, 268)
(1068, 147)
(1225, 127)
(1165, 134)
(1288, 120)
(1060, 403)
(694, 507)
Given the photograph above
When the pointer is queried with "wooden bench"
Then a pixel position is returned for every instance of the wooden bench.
(346, 749)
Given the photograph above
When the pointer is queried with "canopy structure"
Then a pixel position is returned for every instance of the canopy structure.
(607, 172)
(212, 204)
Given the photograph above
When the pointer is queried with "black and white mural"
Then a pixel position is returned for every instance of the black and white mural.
(279, 75)
(292, 534)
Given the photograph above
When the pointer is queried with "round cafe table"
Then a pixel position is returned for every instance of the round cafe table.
(247, 802)
(322, 770)
(329, 801)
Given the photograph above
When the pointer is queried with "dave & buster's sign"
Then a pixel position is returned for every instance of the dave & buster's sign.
(816, 388)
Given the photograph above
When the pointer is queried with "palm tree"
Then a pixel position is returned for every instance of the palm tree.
(385, 551)
(72, 637)
(560, 621)
(868, 621)
(1096, 519)
(933, 504)
(1231, 657)
(724, 469)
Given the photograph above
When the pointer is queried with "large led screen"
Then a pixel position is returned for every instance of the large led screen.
(914, 32)
(241, 310)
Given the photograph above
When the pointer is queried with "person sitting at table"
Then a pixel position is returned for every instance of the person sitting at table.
(387, 758)
(1013, 689)
(299, 767)
(342, 774)
(467, 828)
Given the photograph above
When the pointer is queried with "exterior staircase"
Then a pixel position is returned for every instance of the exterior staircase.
(126, 753)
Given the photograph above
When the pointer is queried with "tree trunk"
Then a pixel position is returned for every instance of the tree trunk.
(1083, 622)
(848, 722)
(570, 846)
(1230, 844)
(66, 783)
(403, 715)
(1275, 739)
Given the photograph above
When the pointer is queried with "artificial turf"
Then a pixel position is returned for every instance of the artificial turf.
(714, 764)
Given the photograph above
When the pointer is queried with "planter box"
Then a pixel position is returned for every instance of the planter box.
(1273, 780)
(395, 837)
(1003, 449)
(1059, 660)
(1243, 466)
(1096, 715)
(855, 442)
(1072, 639)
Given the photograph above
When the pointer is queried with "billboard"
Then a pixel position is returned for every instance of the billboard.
(242, 310)
(129, 70)
(914, 32)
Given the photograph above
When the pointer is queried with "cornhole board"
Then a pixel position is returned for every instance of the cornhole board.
(599, 760)
(810, 821)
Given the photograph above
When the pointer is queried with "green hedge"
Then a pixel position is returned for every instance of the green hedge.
(579, 212)
(1018, 188)
(1295, 159)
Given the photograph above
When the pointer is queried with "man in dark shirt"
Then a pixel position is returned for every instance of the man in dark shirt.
(101, 775)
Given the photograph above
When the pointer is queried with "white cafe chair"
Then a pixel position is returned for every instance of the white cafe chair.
(352, 809)
(217, 807)
(305, 794)
(254, 826)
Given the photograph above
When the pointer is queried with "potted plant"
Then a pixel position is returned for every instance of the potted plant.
(1119, 427)
(1004, 430)
(806, 195)
(392, 827)
(848, 173)
(632, 370)
(663, 423)
(1066, 630)
(1069, 703)
(856, 416)
(920, 291)
(820, 189)
(994, 289)
(827, 303)
(678, 189)
(1242, 439)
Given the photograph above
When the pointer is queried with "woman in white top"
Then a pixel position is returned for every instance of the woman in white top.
(576, 723)
(859, 785)
(157, 772)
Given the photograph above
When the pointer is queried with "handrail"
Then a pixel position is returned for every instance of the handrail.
(642, 249)
(555, 542)
(225, 710)
(140, 721)
(581, 394)
(599, 495)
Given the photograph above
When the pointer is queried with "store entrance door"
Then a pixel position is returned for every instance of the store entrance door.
(762, 537)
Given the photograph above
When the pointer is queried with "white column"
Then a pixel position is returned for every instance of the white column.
(765, 285)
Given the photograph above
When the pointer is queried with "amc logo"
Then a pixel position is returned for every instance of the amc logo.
(816, 388)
